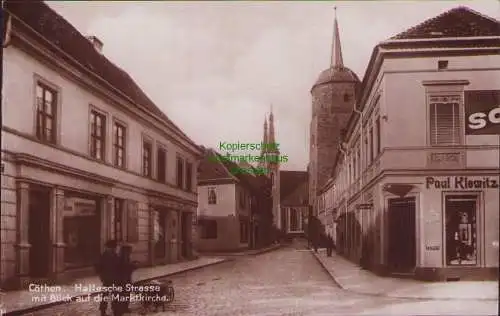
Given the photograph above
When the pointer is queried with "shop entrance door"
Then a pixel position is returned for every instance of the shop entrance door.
(185, 231)
(402, 241)
(39, 232)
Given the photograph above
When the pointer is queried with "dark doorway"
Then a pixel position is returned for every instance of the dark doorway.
(185, 231)
(160, 230)
(256, 241)
(39, 231)
(402, 240)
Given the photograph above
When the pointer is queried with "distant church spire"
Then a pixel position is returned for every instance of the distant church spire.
(264, 141)
(337, 61)
(271, 126)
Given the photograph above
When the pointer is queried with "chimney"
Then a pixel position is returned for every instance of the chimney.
(96, 42)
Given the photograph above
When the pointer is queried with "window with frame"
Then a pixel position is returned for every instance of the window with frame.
(378, 147)
(147, 159)
(212, 195)
(367, 154)
(189, 176)
(207, 228)
(119, 145)
(354, 163)
(371, 145)
(46, 110)
(161, 161)
(97, 134)
(444, 120)
(119, 210)
(350, 173)
(180, 173)
(360, 167)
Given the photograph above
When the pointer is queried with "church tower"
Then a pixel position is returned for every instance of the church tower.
(273, 166)
(333, 99)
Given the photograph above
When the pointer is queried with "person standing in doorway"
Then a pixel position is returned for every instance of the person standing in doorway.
(106, 270)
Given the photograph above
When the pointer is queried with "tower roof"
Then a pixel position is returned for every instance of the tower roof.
(333, 74)
(337, 71)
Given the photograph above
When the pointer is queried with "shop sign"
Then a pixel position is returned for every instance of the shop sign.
(432, 248)
(79, 207)
(482, 112)
(460, 182)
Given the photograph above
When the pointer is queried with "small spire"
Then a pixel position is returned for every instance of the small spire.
(337, 61)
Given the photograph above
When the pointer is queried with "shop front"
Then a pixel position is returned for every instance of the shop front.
(81, 230)
(171, 231)
(443, 227)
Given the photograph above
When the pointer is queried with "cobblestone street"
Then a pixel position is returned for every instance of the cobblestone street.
(284, 282)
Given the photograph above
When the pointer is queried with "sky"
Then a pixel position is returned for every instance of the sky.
(216, 68)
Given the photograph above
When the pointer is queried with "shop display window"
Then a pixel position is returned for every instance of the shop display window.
(461, 230)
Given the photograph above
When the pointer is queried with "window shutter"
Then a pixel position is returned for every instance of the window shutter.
(132, 221)
(445, 124)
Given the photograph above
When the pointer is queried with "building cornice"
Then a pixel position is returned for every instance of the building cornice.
(33, 161)
(87, 78)
(206, 182)
(173, 201)
(445, 82)
(440, 39)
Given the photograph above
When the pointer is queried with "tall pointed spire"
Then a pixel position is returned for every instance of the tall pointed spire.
(271, 138)
(264, 141)
(337, 61)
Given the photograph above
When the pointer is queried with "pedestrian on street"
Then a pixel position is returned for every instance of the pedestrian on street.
(106, 270)
(124, 270)
(329, 246)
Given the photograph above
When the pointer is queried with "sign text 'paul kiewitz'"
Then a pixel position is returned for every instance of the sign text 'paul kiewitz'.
(461, 182)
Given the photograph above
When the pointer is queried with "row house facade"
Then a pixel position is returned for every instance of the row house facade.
(234, 208)
(86, 157)
(415, 189)
(326, 210)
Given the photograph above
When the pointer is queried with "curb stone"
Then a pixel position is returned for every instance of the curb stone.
(339, 285)
(74, 298)
(242, 254)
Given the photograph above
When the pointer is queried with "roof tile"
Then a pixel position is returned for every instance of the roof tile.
(457, 22)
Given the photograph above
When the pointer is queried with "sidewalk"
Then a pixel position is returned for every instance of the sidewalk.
(26, 301)
(250, 252)
(351, 277)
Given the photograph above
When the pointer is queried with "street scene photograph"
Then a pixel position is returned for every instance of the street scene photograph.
(233, 158)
